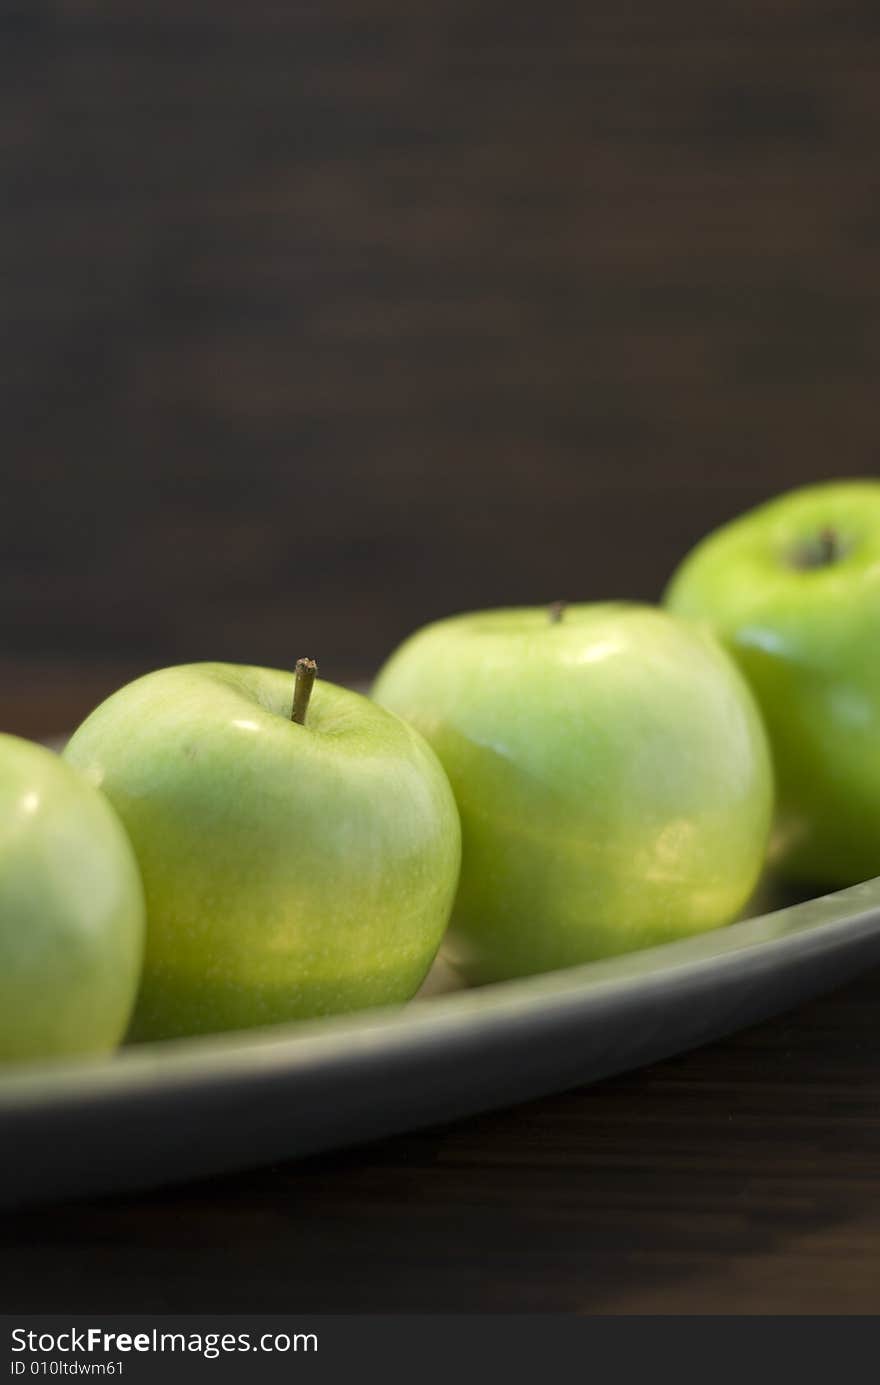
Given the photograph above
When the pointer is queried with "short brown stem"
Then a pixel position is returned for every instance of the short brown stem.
(822, 551)
(828, 545)
(555, 611)
(304, 681)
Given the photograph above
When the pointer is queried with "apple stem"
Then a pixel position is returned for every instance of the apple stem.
(304, 681)
(821, 551)
(827, 545)
(555, 611)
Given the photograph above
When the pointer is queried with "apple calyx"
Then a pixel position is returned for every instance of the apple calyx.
(304, 680)
(821, 551)
(555, 611)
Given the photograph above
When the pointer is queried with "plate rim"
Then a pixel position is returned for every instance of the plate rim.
(167, 1067)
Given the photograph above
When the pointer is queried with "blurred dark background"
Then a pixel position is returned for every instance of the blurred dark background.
(322, 320)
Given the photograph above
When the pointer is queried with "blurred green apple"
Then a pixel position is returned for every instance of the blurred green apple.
(71, 911)
(611, 773)
(793, 590)
(290, 869)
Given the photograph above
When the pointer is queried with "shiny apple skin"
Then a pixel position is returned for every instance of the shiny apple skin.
(611, 772)
(71, 911)
(807, 639)
(290, 871)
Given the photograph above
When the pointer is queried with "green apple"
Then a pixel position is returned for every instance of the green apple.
(71, 911)
(611, 772)
(793, 590)
(290, 869)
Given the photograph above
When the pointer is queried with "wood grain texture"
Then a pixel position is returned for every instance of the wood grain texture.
(324, 319)
(320, 320)
(742, 1178)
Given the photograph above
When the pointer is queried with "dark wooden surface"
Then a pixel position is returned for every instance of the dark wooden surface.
(744, 1177)
(321, 319)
